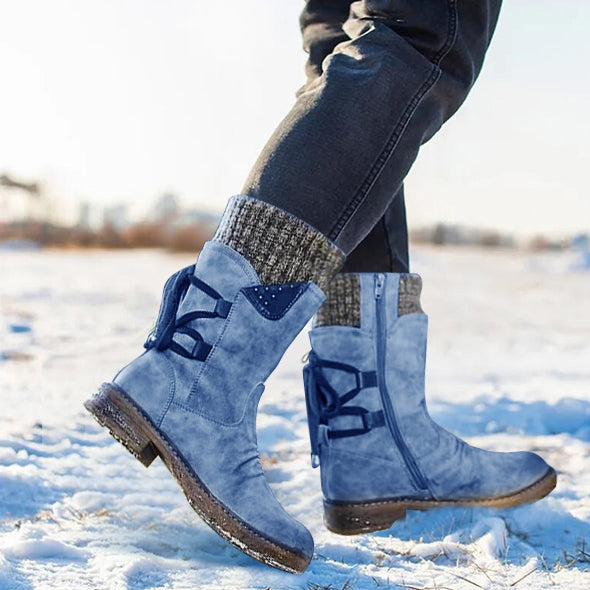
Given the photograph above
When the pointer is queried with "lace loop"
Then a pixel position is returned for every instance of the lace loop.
(324, 404)
(167, 324)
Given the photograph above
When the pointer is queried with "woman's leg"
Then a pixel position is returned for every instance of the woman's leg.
(322, 183)
(385, 247)
(321, 25)
(380, 452)
(341, 154)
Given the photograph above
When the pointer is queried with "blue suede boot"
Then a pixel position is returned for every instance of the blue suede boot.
(191, 397)
(380, 452)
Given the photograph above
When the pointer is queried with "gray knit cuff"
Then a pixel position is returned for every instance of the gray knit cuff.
(343, 306)
(410, 288)
(281, 247)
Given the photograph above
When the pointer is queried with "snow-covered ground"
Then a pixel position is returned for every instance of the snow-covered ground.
(508, 368)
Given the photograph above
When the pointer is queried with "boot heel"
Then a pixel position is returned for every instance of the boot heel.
(355, 519)
(113, 412)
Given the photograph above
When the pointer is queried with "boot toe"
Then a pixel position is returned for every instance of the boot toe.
(275, 524)
(225, 461)
(531, 469)
(479, 475)
(507, 474)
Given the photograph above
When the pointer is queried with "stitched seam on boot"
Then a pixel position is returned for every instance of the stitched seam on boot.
(366, 457)
(194, 387)
(179, 456)
(213, 420)
(171, 389)
(457, 502)
(246, 267)
(314, 292)
(208, 418)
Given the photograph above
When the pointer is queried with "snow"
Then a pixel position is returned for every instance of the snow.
(508, 369)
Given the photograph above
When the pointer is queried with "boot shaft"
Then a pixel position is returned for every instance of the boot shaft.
(362, 382)
(387, 448)
(390, 340)
(230, 315)
(224, 324)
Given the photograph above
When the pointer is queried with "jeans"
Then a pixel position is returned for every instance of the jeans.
(383, 76)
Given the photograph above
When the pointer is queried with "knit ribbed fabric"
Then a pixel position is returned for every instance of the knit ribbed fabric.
(343, 306)
(410, 288)
(281, 247)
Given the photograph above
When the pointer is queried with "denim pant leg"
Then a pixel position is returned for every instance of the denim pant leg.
(342, 152)
(321, 23)
(385, 247)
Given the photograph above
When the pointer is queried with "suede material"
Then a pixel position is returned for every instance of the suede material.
(153, 378)
(226, 460)
(370, 466)
(150, 381)
(347, 345)
(225, 271)
(208, 409)
(248, 350)
(368, 308)
(352, 474)
(358, 467)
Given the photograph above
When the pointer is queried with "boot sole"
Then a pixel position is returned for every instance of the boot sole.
(367, 517)
(129, 425)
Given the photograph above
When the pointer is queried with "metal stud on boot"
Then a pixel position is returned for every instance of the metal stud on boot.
(381, 453)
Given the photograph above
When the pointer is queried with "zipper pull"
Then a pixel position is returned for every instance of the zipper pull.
(379, 284)
(322, 439)
(312, 417)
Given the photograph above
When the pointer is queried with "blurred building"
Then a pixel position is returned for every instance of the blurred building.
(443, 234)
(197, 217)
(84, 216)
(116, 217)
(166, 209)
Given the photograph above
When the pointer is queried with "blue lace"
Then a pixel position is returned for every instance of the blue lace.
(167, 324)
(324, 402)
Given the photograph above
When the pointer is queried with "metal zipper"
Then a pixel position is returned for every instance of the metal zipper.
(417, 477)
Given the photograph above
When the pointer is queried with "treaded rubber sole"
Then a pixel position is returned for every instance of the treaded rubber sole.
(128, 424)
(355, 518)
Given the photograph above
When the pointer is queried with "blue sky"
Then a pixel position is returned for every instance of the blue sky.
(120, 100)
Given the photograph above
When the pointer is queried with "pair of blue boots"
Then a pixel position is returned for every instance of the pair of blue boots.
(191, 399)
